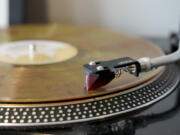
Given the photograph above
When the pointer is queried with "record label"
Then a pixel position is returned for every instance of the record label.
(36, 52)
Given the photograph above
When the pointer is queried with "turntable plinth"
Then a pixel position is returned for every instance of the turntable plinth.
(53, 94)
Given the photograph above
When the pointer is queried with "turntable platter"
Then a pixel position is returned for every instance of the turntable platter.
(64, 80)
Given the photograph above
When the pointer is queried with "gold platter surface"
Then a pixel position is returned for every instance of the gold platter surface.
(64, 80)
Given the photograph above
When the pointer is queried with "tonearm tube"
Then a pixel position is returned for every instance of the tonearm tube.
(101, 73)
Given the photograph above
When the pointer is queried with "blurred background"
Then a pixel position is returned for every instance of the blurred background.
(140, 17)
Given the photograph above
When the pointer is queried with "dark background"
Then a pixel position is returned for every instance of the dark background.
(28, 11)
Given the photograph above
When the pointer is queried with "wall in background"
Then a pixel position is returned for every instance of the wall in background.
(4, 13)
(16, 11)
(35, 11)
(140, 17)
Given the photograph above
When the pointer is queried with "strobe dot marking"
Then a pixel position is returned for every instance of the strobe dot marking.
(45, 120)
(111, 105)
(37, 120)
(61, 119)
(21, 121)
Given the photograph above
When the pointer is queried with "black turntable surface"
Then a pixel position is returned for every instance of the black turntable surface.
(162, 118)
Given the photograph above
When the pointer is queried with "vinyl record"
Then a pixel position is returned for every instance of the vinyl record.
(63, 79)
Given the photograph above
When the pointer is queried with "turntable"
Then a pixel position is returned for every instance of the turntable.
(42, 78)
